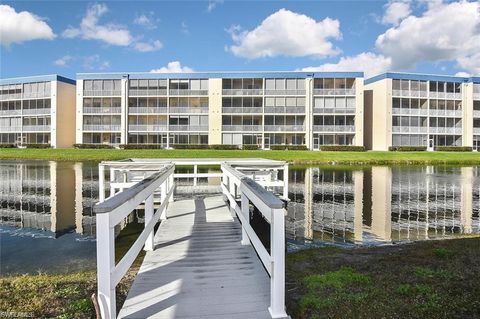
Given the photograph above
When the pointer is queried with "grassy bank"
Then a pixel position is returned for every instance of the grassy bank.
(295, 157)
(437, 279)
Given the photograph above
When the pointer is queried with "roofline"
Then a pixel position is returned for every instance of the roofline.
(474, 79)
(37, 78)
(216, 74)
(416, 76)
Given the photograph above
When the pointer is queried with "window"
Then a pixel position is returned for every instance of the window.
(291, 84)
(279, 84)
(319, 102)
(270, 84)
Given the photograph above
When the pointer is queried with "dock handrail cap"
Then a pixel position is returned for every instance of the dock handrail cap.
(267, 197)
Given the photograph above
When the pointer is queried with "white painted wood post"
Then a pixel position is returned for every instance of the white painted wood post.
(195, 171)
(231, 190)
(285, 181)
(277, 252)
(105, 266)
(148, 217)
(246, 214)
(170, 186)
(112, 179)
(101, 183)
(163, 194)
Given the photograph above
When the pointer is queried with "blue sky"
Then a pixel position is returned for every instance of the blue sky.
(372, 36)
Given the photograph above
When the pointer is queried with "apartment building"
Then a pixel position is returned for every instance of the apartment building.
(238, 108)
(404, 109)
(37, 110)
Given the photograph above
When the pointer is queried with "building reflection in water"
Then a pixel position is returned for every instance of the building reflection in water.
(377, 205)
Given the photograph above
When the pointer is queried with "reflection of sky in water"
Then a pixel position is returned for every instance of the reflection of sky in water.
(46, 218)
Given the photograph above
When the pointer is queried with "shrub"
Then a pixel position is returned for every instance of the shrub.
(342, 148)
(250, 147)
(94, 146)
(7, 146)
(223, 147)
(189, 146)
(407, 148)
(37, 145)
(141, 146)
(453, 148)
(283, 147)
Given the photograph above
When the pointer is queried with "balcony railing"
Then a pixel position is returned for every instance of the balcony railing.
(334, 128)
(36, 128)
(147, 128)
(14, 96)
(242, 92)
(334, 91)
(10, 112)
(399, 111)
(102, 110)
(102, 93)
(188, 109)
(319, 110)
(284, 109)
(285, 92)
(284, 128)
(157, 92)
(476, 130)
(188, 92)
(101, 127)
(244, 128)
(28, 95)
(10, 128)
(446, 130)
(453, 113)
(409, 129)
(409, 93)
(147, 110)
(249, 110)
(445, 95)
(476, 113)
(476, 96)
(194, 128)
(36, 111)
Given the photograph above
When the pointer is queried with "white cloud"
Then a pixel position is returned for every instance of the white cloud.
(89, 28)
(63, 61)
(470, 63)
(463, 74)
(370, 63)
(95, 62)
(445, 31)
(212, 4)
(173, 67)
(184, 28)
(148, 46)
(396, 11)
(22, 26)
(286, 33)
(146, 21)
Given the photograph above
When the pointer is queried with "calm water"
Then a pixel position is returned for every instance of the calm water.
(47, 222)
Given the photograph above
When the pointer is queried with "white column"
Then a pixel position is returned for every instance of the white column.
(101, 183)
(285, 181)
(105, 265)
(195, 171)
(246, 215)
(171, 185)
(149, 245)
(164, 188)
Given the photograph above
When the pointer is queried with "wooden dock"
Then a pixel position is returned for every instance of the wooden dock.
(199, 269)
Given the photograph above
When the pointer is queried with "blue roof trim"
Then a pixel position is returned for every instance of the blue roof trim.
(37, 78)
(206, 75)
(416, 76)
(474, 79)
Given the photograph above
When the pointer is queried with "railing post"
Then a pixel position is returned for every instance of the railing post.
(105, 266)
(170, 185)
(112, 179)
(163, 194)
(277, 252)
(246, 213)
(148, 217)
(195, 170)
(101, 183)
(285, 181)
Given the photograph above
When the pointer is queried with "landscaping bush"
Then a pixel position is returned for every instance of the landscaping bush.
(141, 146)
(453, 148)
(37, 145)
(284, 147)
(342, 148)
(94, 146)
(189, 146)
(250, 147)
(7, 146)
(223, 147)
(407, 148)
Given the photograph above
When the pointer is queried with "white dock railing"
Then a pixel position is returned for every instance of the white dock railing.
(112, 211)
(234, 184)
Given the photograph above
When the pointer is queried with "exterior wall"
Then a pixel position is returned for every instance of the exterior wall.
(79, 113)
(367, 119)
(359, 112)
(381, 125)
(467, 109)
(214, 111)
(64, 115)
(309, 112)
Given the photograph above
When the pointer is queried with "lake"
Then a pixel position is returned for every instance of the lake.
(47, 223)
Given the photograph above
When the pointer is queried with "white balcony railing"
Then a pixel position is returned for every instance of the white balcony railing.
(188, 109)
(36, 111)
(334, 128)
(188, 92)
(10, 128)
(248, 92)
(285, 109)
(452, 113)
(36, 128)
(157, 92)
(334, 92)
(318, 110)
(409, 93)
(189, 128)
(445, 95)
(476, 113)
(14, 96)
(102, 110)
(10, 112)
(147, 110)
(476, 130)
(409, 129)
(284, 128)
(101, 127)
(102, 93)
(147, 128)
(398, 111)
(476, 96)
(240, 128)
(237, 110)
(446, 130)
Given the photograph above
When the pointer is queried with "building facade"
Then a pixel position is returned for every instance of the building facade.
(244, 108)
(37, 110)
(420, 110)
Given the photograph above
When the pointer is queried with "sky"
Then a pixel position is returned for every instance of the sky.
(69, 37)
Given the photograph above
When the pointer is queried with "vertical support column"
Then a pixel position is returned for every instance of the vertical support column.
(467, 112)
(101, 183)
(148, 217)
(170, 186)
(231, 190)
(124, 114)
(195, 171)
(112, 179)
(285, 181)
(277, 252)
(359, 112)
(246, 213)
(309, 112)
(164, 188)
(215, 111)
(79, 112)
(105, 265)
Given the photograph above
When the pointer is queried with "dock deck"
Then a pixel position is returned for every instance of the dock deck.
(201, 270)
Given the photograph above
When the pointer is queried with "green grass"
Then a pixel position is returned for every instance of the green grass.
(432, 279)
(294, 157)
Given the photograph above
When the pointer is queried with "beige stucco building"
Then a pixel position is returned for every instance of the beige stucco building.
(37, 110)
